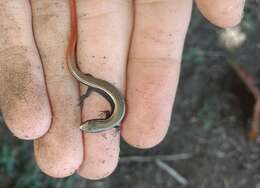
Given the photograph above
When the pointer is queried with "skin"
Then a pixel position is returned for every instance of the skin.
(135, 45)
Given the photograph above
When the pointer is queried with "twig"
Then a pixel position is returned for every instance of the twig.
(236, 145)
(251, 85)
(145, 159)
(172, 172)
(226, 183)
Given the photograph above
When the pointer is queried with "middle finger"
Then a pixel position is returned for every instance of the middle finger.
(104, 33)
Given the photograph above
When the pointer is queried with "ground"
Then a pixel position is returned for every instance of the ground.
(209, 122)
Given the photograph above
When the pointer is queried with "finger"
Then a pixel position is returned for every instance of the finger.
(222, 13)
(153, 68)
(23, 98)
(104, 32)
(60, 152)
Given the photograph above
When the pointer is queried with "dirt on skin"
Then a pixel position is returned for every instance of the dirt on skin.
(211, 115)
(209, 121)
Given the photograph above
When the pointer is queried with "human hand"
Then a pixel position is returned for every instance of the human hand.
(38, 94)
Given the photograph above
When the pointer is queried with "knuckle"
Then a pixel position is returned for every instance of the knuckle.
(101, 8)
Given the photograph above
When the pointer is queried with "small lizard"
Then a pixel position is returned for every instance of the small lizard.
(110, 92)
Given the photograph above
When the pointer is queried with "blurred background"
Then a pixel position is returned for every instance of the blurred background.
(210, 143)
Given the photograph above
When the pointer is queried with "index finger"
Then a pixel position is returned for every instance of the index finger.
(221, 12)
